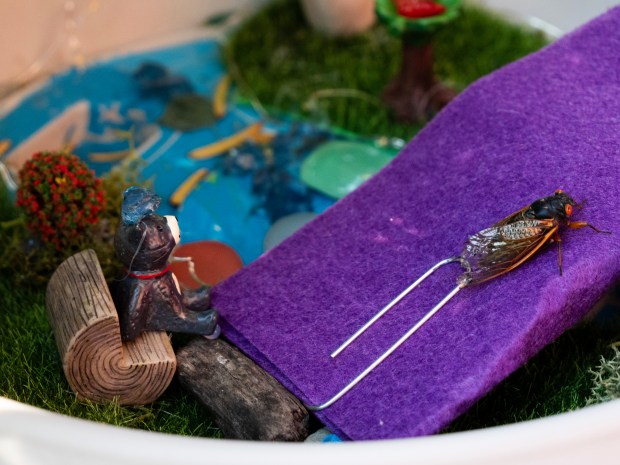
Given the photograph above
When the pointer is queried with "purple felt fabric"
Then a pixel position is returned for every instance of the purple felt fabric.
(549, 121)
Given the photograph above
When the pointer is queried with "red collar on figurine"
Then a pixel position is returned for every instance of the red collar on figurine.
(157, 274)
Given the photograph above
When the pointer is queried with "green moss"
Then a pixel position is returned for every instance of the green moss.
(606, 377)
(339, 81)
(8, 210)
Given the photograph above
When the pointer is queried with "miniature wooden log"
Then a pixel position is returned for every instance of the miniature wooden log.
(97, 365)
(246, 401)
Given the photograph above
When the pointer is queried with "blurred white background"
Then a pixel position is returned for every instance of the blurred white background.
(47, 35)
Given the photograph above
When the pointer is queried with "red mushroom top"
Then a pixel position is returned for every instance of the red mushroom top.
(419, 8)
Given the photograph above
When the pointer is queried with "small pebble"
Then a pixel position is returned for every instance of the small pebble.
(286, 227)
(323, 435)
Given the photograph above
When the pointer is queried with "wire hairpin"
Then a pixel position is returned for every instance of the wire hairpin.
(487, 254)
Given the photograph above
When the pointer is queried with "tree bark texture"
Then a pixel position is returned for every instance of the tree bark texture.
(415, 93)
(246, 401)
(98, 366)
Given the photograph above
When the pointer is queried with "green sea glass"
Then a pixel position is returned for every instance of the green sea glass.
(337, 168)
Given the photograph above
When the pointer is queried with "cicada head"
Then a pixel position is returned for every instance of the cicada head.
(558, 206)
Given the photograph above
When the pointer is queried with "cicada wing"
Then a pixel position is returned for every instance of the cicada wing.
(499, 249)
(512, 218)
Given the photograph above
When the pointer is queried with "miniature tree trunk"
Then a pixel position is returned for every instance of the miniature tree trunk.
(97, 365)
(416, 93)
(246, 401)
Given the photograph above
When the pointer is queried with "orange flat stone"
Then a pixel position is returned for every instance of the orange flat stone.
(213, 262)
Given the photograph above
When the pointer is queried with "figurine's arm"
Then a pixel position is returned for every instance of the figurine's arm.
(169, 312)
(197, 299)
(194, 299)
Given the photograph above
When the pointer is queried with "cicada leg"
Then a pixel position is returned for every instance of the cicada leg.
(557, 239)
(583, 224)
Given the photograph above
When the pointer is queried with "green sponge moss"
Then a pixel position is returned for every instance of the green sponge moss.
(294, 69)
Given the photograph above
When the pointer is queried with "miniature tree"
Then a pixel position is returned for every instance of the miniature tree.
(61, 197)
(415, 92)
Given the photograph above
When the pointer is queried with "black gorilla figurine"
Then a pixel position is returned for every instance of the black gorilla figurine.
(148, 297)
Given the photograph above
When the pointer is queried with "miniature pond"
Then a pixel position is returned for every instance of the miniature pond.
(132, 106)
(242, 194)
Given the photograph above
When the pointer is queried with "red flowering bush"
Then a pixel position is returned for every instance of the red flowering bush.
(62, 198)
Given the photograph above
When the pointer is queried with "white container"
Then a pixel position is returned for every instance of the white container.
(30, 435)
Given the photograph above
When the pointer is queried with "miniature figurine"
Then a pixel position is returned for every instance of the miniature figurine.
(148, 296)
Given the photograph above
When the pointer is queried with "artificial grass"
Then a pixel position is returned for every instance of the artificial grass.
(338, 82)
(32, 374)
(280, 63)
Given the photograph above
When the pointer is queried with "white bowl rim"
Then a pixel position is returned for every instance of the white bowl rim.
(585, 434)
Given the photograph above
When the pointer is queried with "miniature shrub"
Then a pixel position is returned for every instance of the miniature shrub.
(61, 197)
(606, 378)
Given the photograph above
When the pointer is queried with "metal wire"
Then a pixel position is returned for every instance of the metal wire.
(391, 304)
(461, 284)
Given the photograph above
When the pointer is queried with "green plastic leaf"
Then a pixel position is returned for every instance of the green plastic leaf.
(188, 113)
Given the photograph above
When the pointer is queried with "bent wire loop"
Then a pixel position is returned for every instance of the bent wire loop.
(191, 267)
(462, 282)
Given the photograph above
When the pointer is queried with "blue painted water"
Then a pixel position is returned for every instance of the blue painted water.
(245, 192)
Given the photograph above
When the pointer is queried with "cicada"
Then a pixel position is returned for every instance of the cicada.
(513, 240)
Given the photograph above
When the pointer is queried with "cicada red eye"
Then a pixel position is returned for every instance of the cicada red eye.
(568, 209)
